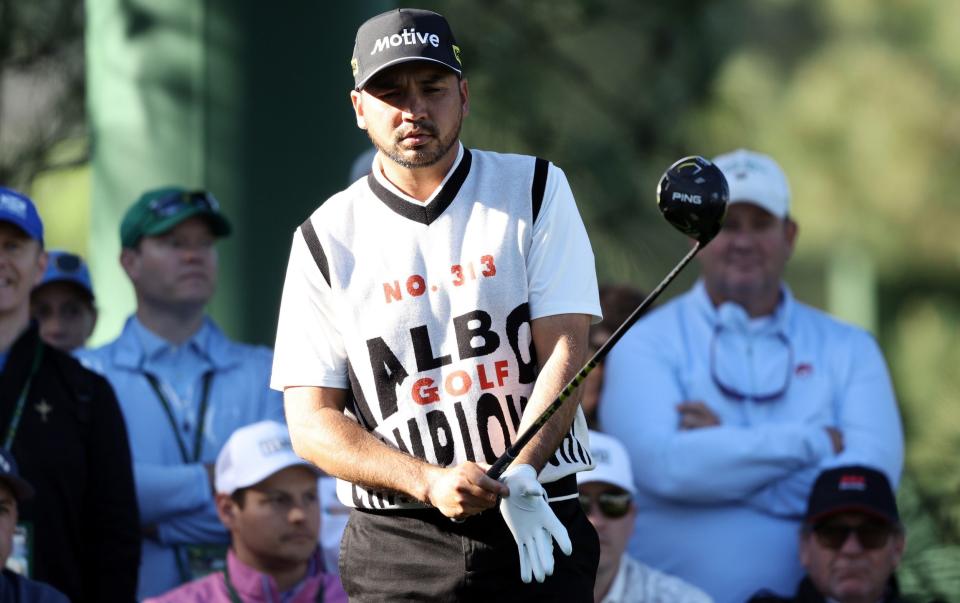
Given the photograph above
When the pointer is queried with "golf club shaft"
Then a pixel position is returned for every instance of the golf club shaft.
(501, 464)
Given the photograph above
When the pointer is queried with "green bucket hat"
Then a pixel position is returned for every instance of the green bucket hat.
(159, 210)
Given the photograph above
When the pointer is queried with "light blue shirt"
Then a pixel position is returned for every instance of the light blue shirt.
(173, 495)
(720, 507)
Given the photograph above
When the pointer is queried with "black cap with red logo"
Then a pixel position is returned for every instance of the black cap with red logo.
(852, 488)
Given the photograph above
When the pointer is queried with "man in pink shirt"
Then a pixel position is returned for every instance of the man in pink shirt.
(267, 499)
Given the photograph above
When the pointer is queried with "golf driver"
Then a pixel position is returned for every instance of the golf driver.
(692, 195)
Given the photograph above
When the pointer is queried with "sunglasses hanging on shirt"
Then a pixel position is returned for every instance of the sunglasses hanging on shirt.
(739, 395)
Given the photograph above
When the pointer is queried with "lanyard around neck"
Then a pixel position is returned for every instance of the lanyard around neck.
(22, 399)
(198, 438)
(235, 597)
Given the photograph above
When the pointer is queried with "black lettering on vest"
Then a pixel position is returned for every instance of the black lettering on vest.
(512, 409)
(388, 374)
(355, 492)
(416, 442)
(582, 453)
(464, 431)
(516, 319)
(466, 335)
(437, 422)
(561, 449)
(357, 402)
(381, 499)
(571, 442)
(424, 351)
(489, 407)
(399, 439)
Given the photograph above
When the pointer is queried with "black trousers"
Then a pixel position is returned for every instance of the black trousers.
(423, 556)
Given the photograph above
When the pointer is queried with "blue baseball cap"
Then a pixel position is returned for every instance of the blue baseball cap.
(66, 267)
(10, 475)
(17, 209)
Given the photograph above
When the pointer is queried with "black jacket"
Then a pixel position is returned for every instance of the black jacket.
(71, 445)
(807, 593)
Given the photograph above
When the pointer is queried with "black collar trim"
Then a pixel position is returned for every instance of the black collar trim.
(425, 214)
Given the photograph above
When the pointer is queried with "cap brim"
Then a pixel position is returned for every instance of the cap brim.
(270, 470)
(400, 61)
(218, 224)
(814, 519)
(68, 280)
(21, 489)
(20, 226)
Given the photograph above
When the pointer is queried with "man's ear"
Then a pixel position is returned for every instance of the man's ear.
(465, 97)
(805, 549)
(791, 230)
(130, 262)
(356, 99)
(93, 323)
(226, 510)
(42, 259)
(899, 546)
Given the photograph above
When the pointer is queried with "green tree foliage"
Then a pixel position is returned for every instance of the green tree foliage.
(41, 87)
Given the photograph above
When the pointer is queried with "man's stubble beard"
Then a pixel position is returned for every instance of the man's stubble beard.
(422, 158)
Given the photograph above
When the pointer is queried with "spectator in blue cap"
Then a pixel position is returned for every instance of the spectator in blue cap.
(63, 302)
(13, 586)
(63, 425)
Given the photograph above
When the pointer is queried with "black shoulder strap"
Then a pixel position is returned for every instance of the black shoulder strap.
(539, 185)
(313, 243)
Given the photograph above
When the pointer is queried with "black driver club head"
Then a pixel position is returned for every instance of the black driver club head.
(692, 195)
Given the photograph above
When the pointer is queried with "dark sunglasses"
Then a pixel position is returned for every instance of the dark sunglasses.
(67, 263)
(164, 207)
(733, 393)
(612, 506)
(871, 535)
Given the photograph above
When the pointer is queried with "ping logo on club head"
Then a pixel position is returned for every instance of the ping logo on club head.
(852, 482)
(687, 198)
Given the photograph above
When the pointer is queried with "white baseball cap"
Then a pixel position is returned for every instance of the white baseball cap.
(755, 178)
(252, 454)
(611, 463)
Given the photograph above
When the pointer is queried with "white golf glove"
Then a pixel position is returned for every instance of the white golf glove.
(532, 522)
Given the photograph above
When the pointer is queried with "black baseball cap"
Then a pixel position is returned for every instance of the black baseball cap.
(852, 488)
(399, 36)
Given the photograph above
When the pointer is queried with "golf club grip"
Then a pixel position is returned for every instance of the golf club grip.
(501, 464)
